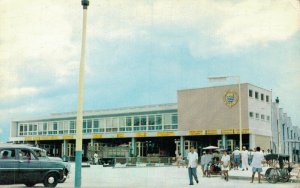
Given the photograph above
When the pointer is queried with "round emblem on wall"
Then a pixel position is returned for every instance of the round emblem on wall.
(231, 98)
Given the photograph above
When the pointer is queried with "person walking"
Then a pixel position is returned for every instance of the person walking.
(225, 161)
(192, 165)
(258, 159)
(244, 155)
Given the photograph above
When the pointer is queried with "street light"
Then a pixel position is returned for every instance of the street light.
(277, 123)
(78, 157)
(237, 78)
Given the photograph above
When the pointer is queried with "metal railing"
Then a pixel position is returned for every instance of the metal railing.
(143, 161)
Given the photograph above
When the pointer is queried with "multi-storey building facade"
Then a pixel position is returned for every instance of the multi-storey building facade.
(201, 117)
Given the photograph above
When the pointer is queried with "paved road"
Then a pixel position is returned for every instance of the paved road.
(156, 177)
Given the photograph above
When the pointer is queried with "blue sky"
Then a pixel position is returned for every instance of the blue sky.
(142, 52)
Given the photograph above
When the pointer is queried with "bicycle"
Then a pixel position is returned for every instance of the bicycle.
(277, 172)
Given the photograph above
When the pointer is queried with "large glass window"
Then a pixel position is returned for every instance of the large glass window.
(72, 127)
(102, 125)
(109, 127)
(128, 123)
(143, 123)
(96, 126)
(115, 124)
(21, 131)
(122, 124)
(45, 128)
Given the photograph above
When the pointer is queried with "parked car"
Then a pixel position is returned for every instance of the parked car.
(20, 164)
(42, 155)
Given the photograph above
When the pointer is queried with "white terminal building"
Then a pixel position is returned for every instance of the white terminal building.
(201, 117)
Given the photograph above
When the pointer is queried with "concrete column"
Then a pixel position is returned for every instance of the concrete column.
(224, 141)
(251, 141)
(92, 142)
(182, 146)
(65, 150)
(133, 146)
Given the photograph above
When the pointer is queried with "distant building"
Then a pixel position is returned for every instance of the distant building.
(286, 137)
(201, 117)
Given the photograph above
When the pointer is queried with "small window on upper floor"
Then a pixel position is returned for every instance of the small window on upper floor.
(256, 95)
(251, 114)
(268, 118)
(257, 115)
(262, 97)
(267, 98)
(250, 93)
(262, 117)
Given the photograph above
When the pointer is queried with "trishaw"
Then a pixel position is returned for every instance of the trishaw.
(214, 166)
(279, 168)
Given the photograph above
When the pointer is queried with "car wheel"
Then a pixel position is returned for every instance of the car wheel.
(51, 180)
(29, 184)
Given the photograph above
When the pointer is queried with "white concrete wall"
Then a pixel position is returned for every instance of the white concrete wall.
(259, 126)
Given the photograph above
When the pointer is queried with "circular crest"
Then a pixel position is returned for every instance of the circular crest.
(230, 98)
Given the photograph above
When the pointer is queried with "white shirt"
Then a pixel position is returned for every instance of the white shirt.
(225, 159)
(236, 152)
(193, 158)
(258, 157)
(245, 154)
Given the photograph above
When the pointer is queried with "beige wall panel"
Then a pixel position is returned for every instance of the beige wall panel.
(204, 108)
(263, 142)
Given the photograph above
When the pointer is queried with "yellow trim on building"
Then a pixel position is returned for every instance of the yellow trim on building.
(67, 137)
(165, 134)
(141, 134)
(211, 132)
(227, 131)
(120, 135)
(97, 135)
(196, 132)
(244, 131)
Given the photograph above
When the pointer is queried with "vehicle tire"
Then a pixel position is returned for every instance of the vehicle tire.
(29, 184)
(272, 175)
(51, 180)
(284, 175)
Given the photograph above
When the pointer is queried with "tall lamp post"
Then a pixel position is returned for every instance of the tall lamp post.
(78, 157)
(277, 123)
(237, 78)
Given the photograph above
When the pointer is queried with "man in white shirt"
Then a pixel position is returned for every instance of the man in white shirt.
(244, 154)
(225, 160)
(192, 165)
(258, 159)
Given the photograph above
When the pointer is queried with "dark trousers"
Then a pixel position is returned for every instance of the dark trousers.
(192, 172)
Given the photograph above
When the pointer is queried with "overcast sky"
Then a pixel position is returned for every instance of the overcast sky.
(142, 52)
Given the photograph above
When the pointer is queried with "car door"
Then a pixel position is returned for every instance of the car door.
(29, 166)
(8, 166)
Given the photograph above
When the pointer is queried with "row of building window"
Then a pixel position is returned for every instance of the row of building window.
(259, 96)
(259, 116)
(102, 125)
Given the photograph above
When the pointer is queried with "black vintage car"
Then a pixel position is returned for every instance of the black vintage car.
(19, 164)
